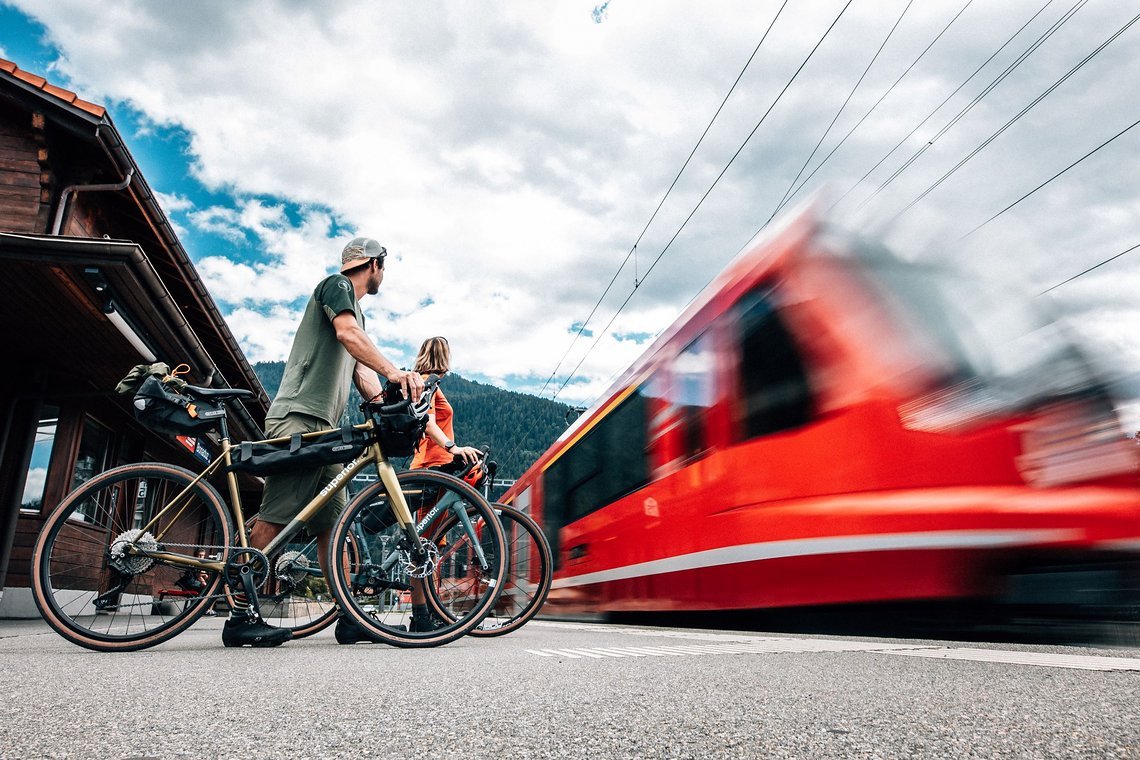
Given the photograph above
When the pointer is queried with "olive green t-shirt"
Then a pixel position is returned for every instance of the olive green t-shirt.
(319, 370)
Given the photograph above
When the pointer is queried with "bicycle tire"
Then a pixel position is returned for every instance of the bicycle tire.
(527, 581)
(365, 588)
(72, 565)
(295, 604)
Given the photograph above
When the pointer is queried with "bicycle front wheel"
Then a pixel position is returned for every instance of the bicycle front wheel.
(375, 569)
(93, 576)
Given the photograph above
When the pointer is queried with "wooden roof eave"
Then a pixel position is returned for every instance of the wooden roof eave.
(138, 287)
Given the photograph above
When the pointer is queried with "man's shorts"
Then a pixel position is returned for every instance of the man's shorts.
(287, 493)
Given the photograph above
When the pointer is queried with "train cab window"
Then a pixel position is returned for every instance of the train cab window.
(606, 463)
(774, 391)
(692, 393)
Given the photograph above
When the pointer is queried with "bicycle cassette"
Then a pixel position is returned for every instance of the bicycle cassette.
(292, 567)
(133, 564)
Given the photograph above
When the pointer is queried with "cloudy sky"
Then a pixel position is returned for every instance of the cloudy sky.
(510, 154)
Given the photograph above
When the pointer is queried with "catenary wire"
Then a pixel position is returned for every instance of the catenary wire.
(1016, 117)
(928, 116)
(706, 195)
(661, 203)
(838, 113)
(1055, 176)
(1095, 266)
(1009, 69)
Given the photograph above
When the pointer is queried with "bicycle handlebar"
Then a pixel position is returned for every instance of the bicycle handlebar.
(418, 408)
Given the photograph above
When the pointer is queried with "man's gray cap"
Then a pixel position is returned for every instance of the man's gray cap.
(358, 251)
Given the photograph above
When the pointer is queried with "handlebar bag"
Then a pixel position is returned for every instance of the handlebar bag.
(334, 447)
(400, 429)
(164, 410)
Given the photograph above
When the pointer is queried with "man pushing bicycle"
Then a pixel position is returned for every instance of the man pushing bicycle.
(330, 350)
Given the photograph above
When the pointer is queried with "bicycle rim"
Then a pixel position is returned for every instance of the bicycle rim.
(527, 580)
(373, 583)
(93, 590)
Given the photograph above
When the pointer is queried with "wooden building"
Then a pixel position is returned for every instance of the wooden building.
(96, 282)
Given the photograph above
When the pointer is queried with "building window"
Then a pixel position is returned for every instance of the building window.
(36, 480)
(94, 453)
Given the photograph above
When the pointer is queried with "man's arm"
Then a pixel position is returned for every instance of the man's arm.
(367, 382)
(361, 348)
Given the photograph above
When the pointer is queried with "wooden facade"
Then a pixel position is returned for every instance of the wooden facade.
(97, 281)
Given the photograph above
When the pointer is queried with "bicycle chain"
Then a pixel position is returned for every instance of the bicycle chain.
(165, 545)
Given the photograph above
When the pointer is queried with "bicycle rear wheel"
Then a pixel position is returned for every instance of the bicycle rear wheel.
(296, 594)
(374, 582)
(89, 581)
(527, 580)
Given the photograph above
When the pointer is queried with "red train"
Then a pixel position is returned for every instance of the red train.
(827, 424)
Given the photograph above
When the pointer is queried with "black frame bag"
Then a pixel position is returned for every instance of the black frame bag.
(164, 410)
(334, 447)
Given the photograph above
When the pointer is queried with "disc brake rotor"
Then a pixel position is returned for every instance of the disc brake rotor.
(427, 564)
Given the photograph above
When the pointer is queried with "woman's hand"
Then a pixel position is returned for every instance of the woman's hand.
(468, 454)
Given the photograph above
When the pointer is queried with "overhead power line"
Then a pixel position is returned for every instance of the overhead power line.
(706, 195)
(1017, 117)
(928, 116)
(838, 113)
(1096, 266)
(661, 203)
(1055, 176)
(1020, 59)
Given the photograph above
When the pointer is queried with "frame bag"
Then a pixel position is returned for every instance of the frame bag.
(334, 447)
(165, 410)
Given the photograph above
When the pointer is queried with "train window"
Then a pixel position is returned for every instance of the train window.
(605, 464)
(692, 393)
(774, 390)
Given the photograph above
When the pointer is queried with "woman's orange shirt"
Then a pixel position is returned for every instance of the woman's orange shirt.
(430, 453)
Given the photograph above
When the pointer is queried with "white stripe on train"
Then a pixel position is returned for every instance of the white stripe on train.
(809, 547)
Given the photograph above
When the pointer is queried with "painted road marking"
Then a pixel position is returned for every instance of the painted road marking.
(1043, 659)
(743, 643)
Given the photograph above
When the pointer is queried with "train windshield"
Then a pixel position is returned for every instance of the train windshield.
(987, 338)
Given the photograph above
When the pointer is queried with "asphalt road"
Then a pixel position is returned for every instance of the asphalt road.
(567, 690)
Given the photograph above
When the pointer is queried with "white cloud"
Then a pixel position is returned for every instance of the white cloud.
(509, 159)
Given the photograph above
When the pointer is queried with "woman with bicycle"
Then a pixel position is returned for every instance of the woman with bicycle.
(438, 449)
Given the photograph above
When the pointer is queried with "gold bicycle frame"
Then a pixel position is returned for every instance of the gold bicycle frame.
(371, 454)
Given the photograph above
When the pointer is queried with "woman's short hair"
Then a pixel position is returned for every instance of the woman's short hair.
(434, 356)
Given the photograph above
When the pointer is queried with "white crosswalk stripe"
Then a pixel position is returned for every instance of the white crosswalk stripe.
(1043, 659)
(722, 644)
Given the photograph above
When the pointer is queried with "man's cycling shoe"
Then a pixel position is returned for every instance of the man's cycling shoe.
(426, 624)
(253, 632)
(348, 631)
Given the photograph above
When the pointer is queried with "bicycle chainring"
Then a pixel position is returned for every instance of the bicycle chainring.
(133, 564)
(242, 558)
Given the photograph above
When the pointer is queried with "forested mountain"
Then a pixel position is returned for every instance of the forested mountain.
(517, 427)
